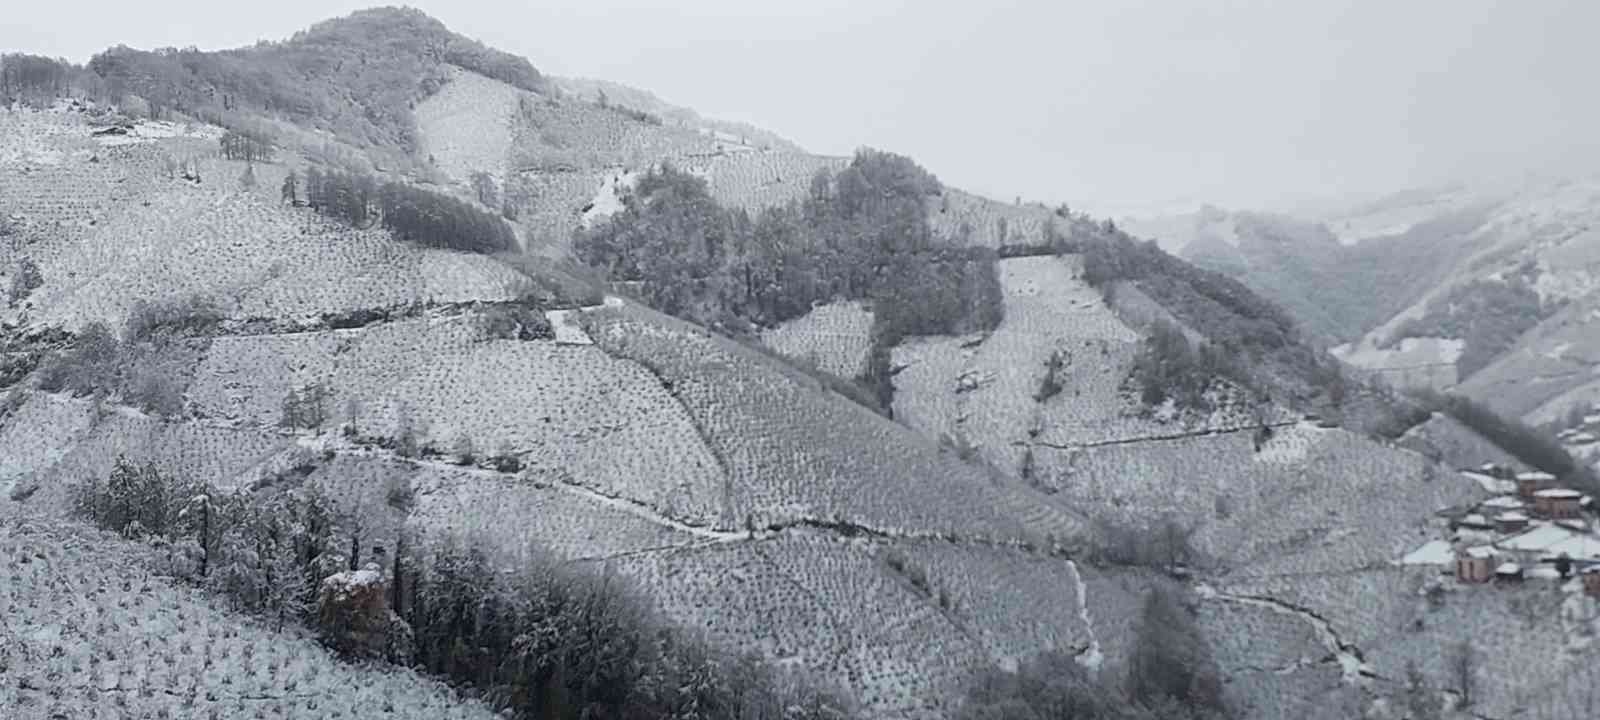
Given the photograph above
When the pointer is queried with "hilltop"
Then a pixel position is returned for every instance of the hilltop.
(887, 435)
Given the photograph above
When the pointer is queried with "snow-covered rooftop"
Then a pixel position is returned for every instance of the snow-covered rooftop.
(1508, 568)
(1511, 517)
(1554, 540)
(1503, 502)
(1537, 475)
(1434, 552)
(1481, 551)
(1559, 493)
(1581, 547)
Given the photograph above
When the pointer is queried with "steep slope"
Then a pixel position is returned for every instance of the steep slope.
(450, 395)
(644, 443)
(87, 628)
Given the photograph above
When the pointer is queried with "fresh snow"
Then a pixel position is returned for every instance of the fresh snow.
(1092, 658)
(567, 331)
(1434, 552)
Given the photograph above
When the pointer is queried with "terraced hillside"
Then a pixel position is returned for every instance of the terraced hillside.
(87, 628)
(1025, 501)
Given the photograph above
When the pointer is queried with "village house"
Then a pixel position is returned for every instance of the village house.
(1475, 565)
(1508, 574)
(1558, 503)
(1591, 581)
(1529, 483)
(1511, 522)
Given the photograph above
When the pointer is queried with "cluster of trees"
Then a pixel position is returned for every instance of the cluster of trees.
(860, 233)
(140, 368)
(266, 553)
(358, 76)
(1238, 323)
(1488, 315)
(409, 213)
(25, 278)
(541, 640)
(251, 146)
(1169, 366)
(1170, 676)
(1522, 441)
(36, 80)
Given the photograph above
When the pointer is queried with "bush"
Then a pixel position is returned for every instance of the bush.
(306, 407)
(24, 280)
(1050, 384)
(87, 366)
(1168, 366)
(189, 316)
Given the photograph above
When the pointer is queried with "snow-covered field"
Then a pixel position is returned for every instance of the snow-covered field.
(88, 630)
(466, 125)
(834, 337)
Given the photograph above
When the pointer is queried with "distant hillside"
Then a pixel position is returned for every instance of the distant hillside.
(598, 91)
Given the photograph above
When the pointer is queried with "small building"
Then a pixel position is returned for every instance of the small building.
(1503, 502)
(1558, 503)
(1508, 573)
(1475, 565)
(1591, 581)
(1474, 521)
(1511, 522)
(1529, 483)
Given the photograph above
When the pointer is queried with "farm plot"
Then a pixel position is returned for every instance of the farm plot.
(551, 204)
(1014, 603)
(824, 604)
(834, 337)
(988, 223)
(85, 632)
(1308, 693)
(793, 451)
(515, 515)
(1518, 642)
(466, 125)
(224, 456)
(39, 434)
(560, 135)
(606, 424)
(756, 180)
(258, 259)
(247, 378)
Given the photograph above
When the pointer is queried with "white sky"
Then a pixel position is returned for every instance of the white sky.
(1106, 104)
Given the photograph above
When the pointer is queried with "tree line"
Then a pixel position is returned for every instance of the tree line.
(861, 233)
(540, 639)
(410, 214)
(359, 76)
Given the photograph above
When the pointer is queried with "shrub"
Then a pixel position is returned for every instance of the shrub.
(1168, 366)
(156, 393)
(306, 407)
(1050, 685)
(24, 280)
(464, 451)
(1050, 384)
(187, 316)
(87, 366)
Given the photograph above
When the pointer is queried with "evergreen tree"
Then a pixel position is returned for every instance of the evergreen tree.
(290, 191)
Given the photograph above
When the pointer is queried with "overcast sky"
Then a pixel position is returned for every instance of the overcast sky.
(1106, 104)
